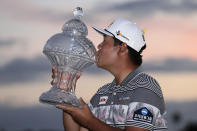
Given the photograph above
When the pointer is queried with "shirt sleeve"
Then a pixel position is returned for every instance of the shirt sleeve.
(147, 108)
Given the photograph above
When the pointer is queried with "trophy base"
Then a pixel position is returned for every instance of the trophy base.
(57, 96)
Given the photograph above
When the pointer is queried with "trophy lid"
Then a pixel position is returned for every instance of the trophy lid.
(75, 26)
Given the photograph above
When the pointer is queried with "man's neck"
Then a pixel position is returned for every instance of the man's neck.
(122, 74)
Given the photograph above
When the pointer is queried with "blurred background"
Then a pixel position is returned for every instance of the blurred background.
(26, 25)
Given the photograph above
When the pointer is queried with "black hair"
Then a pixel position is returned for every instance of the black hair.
(134, 56)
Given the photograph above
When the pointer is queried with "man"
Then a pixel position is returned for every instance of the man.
(133, 101)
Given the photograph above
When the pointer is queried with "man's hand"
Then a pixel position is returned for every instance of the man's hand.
(82, 114)
(63, 79)
(54, 75)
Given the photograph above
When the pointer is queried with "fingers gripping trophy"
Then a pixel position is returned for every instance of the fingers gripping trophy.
(71, 52)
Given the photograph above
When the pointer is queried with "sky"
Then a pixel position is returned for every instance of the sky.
(26, 25)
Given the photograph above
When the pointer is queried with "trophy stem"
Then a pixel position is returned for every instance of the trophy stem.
(63, 90)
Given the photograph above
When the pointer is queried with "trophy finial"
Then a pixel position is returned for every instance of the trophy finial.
(78, 12)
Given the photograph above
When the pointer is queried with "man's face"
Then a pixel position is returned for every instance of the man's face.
(107, 53)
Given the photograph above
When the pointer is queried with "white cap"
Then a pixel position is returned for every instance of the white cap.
(126, 32)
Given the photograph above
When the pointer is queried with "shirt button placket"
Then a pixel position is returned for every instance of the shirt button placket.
(113, 94)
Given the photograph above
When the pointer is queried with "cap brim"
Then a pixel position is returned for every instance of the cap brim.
(102, 31)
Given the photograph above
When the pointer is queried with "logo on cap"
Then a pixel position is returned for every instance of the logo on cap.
(118, 33)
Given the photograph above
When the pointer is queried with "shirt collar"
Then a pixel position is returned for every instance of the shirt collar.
(130, 76)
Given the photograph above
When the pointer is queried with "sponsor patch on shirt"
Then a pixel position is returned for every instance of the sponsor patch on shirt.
(122, 98)
(143, 114)
(103, 100)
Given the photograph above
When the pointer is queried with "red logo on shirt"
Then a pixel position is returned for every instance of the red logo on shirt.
(103, 100)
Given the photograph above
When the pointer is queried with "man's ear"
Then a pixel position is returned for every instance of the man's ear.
(123, 49)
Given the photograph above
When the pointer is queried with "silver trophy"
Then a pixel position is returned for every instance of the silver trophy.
(71, 52)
